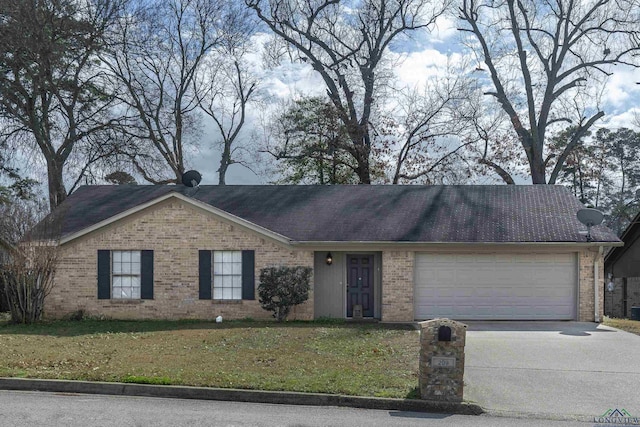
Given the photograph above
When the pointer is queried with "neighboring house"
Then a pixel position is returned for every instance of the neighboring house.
(622, 267)
(402, 253)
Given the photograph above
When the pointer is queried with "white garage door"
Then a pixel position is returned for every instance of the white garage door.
(495, 286)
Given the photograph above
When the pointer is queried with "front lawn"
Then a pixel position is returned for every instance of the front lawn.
(363, 359)
(632, 326)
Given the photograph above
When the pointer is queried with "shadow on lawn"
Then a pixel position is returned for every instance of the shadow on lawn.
(67, 328)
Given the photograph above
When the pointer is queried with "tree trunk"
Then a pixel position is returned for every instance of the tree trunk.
(57, 191)
(538, 173)
(222, 173)
(225, 161)
(362, 151)
(364, 175)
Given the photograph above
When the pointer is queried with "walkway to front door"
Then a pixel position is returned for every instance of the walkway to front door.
(360, 284)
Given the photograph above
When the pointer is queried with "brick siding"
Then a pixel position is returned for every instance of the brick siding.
(586, 305)
(175, 231)
(397, 286)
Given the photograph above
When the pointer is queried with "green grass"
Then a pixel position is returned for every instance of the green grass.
(321, 357)
(632, 326)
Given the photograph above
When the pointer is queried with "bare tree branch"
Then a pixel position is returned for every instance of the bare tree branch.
(157, 58)
(347, 51)
(51, 85)
(563, 48)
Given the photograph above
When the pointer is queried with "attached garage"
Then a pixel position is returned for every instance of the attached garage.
(496, 286)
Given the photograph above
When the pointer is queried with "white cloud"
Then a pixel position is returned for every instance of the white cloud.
(625, 119)
(417, 67)
(444, 30)
(622, 91)
(289, 79)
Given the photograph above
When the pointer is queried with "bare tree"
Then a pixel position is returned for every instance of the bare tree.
(424, 141)
(53, 93)
(224, 93)
(545, 60)
(162, 47)
(494, 145)
(347, 47)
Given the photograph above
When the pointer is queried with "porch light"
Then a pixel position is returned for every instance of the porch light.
(329, 259)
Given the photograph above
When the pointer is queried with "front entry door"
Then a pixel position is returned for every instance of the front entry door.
(360, 284)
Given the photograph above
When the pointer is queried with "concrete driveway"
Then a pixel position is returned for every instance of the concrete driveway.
(555, 370)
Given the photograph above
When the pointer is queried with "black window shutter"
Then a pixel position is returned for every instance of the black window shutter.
(104, 274)
(205, 274)
(248, 275)
(146, 273)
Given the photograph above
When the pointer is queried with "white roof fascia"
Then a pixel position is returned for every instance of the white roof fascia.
(204, 206)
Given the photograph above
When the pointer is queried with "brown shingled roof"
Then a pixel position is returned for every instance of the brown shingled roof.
(366, 213)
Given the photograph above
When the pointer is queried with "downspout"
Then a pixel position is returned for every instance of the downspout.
(596, 287)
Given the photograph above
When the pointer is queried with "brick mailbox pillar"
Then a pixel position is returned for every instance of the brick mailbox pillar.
(442, 360)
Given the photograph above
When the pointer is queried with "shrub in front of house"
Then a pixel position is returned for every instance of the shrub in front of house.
(27, 281)
(282, 288)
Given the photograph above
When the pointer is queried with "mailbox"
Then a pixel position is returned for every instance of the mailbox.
(444, 333)
(441, 372)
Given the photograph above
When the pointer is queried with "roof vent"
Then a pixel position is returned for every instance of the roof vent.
(590, 217)
(191, 178)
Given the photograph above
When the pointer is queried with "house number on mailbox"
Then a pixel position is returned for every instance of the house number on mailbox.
(443, 362)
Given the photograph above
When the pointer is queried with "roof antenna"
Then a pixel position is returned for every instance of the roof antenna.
(192, 179)
(590, 217)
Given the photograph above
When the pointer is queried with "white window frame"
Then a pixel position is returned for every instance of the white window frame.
(226, 275)
(126, 276)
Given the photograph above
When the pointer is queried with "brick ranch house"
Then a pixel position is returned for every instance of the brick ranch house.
(402, 253)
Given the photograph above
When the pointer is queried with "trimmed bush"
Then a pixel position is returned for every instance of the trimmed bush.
(281, 288)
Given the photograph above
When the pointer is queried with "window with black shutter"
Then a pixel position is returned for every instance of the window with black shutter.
(125, 274)
(226, 275)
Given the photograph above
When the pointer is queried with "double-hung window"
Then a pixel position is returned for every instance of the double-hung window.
(125, 275)
(227, 275)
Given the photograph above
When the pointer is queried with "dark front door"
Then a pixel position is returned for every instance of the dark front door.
(360, 284)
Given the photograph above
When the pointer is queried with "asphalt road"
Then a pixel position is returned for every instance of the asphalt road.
(18, 408)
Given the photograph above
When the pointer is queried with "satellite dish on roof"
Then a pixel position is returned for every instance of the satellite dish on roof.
(590, 217)
(191, 178)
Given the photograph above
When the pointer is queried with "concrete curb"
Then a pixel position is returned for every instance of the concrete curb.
(252, 396)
